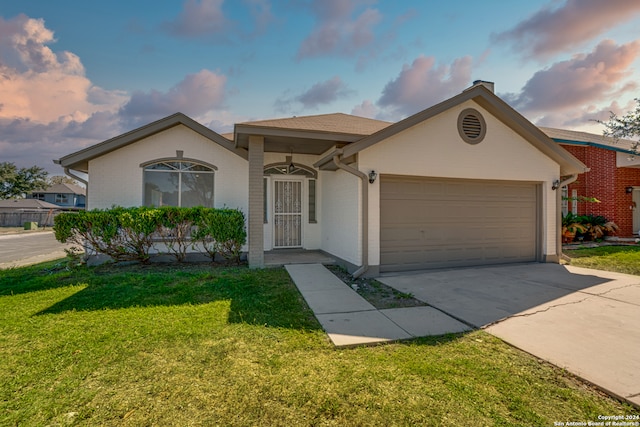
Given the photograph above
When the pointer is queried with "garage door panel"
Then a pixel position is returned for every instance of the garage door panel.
(433, 223)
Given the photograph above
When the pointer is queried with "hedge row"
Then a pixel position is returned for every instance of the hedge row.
(129, 234)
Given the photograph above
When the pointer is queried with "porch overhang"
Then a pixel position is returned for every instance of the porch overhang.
(278, 140)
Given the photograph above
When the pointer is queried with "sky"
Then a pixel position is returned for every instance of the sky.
(74, 72)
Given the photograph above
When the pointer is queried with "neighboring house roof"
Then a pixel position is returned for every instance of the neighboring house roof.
(573, 137)
(62, 189)
(27, 204)
(308, 134)
(490, 102)
(80, 159)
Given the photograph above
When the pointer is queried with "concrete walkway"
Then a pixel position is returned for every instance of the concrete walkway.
(350, 320)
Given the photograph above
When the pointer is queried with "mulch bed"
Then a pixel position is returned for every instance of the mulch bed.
(378, 294)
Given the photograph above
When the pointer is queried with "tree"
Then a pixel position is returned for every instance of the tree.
(60, 179)
(627, 126)
(17, 182)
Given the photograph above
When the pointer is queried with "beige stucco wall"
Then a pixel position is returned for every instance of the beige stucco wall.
(311, 232)
(434, 149)
(116, 177)
(340, 215)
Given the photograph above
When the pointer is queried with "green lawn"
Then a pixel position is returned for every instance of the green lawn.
(623, 259)
(195, 345)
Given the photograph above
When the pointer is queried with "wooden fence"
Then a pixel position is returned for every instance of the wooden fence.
(17, 219)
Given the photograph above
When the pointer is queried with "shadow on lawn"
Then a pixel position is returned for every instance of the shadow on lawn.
(264, 297)
(34, 278)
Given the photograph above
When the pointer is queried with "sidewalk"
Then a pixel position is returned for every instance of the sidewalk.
(350, 320)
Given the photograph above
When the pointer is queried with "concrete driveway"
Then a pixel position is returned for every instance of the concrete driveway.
(585, 321)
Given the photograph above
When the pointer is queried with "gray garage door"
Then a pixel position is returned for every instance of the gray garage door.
(439, 223)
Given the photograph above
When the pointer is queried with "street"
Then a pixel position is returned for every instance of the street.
(29, 248)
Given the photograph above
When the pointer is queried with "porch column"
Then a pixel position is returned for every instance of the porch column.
(256, 202)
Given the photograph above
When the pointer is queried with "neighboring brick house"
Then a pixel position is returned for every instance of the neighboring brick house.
(613, 179)
(68, 196)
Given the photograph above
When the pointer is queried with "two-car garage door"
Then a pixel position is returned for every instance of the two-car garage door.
(440, 223)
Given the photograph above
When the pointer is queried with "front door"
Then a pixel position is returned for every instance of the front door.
(287, 214)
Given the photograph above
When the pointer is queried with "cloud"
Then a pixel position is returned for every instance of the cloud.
(366, 109)
(582, 80)
(585, 118)
(423, 84)
(261, 12)
(550, 31)
(29, 143)
(195, 95)
(337, 31)
(324, 93)
(206, 19)
(49, 108)
(198, 18)
(41, 85)
(320, 93)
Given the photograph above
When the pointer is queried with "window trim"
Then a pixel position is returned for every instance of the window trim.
(180, 171)
(179, 159)
(310, 170)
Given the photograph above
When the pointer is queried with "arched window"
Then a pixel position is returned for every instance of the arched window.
(290, 169)
(181, 182)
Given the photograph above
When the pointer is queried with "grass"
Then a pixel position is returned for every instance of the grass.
(621, 259)
(195, 345)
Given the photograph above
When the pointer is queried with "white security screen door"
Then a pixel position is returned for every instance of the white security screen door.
(287, 215)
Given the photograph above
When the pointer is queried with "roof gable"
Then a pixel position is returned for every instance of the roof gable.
(494, 105)
(79, 160)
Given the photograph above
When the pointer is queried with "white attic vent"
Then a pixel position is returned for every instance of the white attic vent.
(471, 126)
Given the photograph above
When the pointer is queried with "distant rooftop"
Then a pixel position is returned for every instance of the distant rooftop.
(63, 189)
(27, 204)
(586, 138)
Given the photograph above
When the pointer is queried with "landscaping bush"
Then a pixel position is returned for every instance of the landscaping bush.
(221, 231)
(129, 234)
(174, 229)
(589, 227)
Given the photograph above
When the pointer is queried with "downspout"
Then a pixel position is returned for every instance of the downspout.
(563, 183)
(365, 212)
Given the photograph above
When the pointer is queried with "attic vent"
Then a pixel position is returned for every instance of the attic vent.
(471, 126)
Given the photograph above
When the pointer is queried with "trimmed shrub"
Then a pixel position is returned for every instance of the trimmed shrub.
(128, 234)
(221, 231)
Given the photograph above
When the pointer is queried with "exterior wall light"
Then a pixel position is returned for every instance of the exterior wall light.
(372, 177)
(628, 190)
(555, 184)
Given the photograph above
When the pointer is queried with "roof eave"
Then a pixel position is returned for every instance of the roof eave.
(242, 131)
(79, 160)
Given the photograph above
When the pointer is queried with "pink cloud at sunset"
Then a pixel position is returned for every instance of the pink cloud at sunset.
(550, 31)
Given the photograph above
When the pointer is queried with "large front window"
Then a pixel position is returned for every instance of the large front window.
(178, 183)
